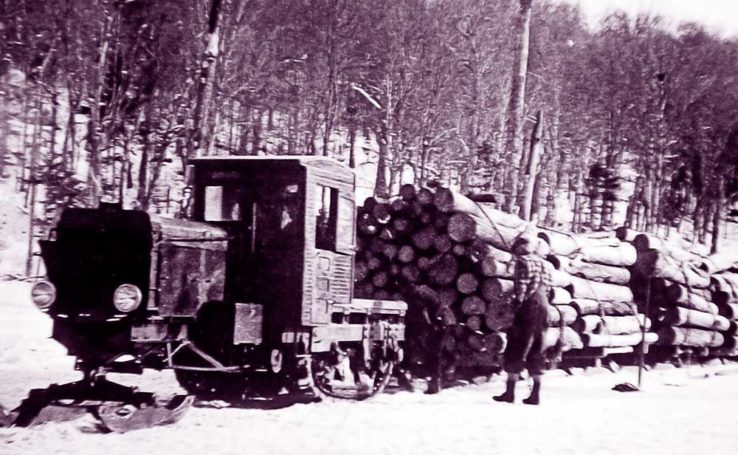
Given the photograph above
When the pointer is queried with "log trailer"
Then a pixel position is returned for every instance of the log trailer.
(254, 291)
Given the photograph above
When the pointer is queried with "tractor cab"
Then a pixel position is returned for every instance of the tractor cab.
(291, 225)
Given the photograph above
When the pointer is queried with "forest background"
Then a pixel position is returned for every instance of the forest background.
(632, 123)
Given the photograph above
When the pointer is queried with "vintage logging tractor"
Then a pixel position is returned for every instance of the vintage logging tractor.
(251, 294)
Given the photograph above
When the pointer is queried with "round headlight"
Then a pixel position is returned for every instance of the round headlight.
(127, 298)
(43, 294)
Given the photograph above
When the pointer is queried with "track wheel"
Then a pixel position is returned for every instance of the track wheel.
(335, 375)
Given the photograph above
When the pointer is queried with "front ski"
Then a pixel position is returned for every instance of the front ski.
(125, 417)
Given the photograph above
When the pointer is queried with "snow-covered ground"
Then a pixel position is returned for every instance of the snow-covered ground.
(691, 411)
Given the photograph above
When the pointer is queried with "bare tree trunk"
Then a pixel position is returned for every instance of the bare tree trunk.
(423, 162)
(352, 145)
(32, 175)
(94, 122)
(331, 104)
(532, 170)
(54, 113)
(205, 84)
(516, 107)
(717, 214)
(706, 220)
(24, 140)
(380, 185)
(256, 133)
(143, 168)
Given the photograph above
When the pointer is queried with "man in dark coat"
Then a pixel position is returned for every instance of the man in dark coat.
(525, 338)
(428, 320)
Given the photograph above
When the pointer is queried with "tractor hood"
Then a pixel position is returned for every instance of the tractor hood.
(174, 264)
(188, 266)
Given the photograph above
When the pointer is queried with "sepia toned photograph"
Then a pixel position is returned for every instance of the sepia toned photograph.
(337, 227)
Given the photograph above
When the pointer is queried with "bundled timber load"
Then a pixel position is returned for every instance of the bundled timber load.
(458, 251)
(678, 281)
(666, 274)
(597, 268)
(592, 269)
(678, 309)
(450, 256)
(470, 220)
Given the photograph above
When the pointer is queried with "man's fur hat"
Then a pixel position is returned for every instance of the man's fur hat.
(526, 242)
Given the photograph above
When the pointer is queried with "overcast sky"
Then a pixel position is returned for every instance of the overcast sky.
(718, 16)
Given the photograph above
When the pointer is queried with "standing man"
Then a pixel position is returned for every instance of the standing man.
(430, 320)
(525, 337)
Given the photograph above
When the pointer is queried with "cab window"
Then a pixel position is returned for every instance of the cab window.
(222, 203)
(326, 206)
(277, 216)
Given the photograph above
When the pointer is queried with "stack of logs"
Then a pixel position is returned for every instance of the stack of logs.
(723, 270)
(457, 253)
(592, 278)
(667, 277)
(417, 245)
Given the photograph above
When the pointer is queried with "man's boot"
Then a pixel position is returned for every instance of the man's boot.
(509, 395)
(535, 393)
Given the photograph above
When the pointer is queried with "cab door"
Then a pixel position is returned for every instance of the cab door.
(333, 252)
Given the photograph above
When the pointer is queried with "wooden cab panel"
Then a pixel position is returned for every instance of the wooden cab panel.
(329, 241)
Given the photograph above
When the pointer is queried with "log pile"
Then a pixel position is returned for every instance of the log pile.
(455, 252)
(458, 252)
(668, 279)
(724, 292)
(593, 275)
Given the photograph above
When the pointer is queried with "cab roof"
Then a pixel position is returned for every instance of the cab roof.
(321, 164)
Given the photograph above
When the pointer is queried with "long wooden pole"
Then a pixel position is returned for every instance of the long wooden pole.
(644, 347)
(532, 168)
